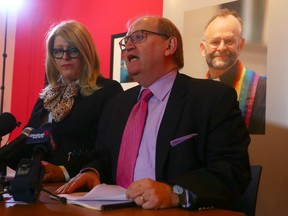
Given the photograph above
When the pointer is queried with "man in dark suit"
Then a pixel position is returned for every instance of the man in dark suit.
(193, 151)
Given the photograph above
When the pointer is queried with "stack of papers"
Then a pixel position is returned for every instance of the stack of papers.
(101, 197)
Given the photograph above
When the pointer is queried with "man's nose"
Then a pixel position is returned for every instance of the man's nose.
(129, 45)
(222, 45)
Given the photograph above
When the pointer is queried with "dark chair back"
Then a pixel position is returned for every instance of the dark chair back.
(247, 203)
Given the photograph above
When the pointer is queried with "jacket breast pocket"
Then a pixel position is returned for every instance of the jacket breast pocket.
(182, 139)
(183, 155)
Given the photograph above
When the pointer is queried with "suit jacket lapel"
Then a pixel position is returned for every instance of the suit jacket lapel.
(169, 124)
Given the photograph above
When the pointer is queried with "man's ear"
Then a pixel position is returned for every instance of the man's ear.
(203, 48)
(171, 46)
(241, 44)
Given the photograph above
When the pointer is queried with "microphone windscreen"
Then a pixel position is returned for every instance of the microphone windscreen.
(39, 135)
(7, 123)
(41, 138)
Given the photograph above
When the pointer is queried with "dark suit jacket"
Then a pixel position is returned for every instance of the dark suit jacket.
(214, 164)
(75, 135)
(257, 122)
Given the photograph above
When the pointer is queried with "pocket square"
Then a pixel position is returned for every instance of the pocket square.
(182, 139)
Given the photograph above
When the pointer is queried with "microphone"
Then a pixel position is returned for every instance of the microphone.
(28, 179)
(41, 140)
(9, 149)
(7, 123)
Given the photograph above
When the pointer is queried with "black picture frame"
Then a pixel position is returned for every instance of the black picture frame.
(118, 70)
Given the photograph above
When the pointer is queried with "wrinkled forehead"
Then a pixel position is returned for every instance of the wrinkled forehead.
(228, 25)
(144, 23)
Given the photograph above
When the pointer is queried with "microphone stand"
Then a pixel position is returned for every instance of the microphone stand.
(61, 199)
(3, 173)
(4, 189)
(4, 62)
(3, 186)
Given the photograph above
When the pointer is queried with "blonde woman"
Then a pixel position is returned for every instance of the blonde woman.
(72, 101)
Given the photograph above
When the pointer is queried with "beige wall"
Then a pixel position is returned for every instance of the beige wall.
(269, 150)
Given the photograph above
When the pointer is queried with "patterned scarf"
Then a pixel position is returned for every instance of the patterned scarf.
(59, 100)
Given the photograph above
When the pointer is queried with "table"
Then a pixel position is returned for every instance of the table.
(44, 205)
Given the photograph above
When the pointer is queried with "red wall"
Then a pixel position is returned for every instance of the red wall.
(102, 18)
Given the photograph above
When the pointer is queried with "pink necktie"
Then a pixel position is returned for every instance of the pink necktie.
(131, 140)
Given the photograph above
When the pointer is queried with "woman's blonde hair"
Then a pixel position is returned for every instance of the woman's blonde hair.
(77, 36)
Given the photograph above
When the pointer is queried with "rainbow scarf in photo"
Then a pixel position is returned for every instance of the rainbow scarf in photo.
(245, 84)
(246, 87)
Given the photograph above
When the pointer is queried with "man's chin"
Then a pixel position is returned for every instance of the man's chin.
(133, 74)
(220, 66)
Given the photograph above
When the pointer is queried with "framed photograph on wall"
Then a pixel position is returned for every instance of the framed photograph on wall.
(252, 58)
(118, 69)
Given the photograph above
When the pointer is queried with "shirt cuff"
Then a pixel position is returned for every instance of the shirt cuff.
(66, 175)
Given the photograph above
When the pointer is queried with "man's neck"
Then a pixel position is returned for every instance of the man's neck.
(148, 81)
(228, 76)
(215, 73)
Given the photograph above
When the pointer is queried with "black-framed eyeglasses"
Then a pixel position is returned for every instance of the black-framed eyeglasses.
(137, 37)
(58, 53)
